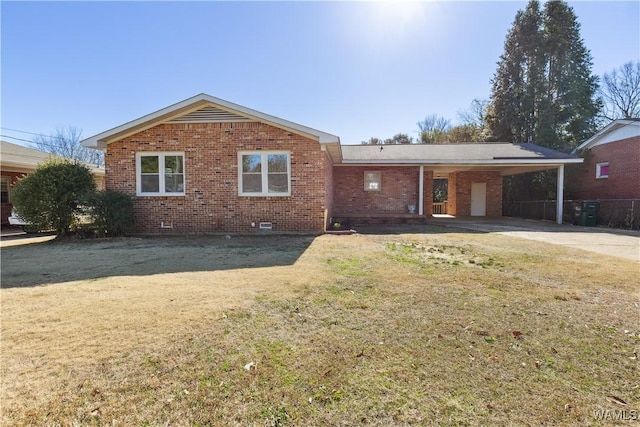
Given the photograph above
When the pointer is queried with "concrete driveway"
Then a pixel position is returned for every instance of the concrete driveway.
(618, 243)
(14, 236)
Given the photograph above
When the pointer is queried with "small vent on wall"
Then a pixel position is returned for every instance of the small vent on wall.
(267, 226)
(208, 115)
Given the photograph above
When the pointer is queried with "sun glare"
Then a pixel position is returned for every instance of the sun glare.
(392, 24)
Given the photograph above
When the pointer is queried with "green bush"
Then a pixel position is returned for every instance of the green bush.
(49, 198)
(112, 212)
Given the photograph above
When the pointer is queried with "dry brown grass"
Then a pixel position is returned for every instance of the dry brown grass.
(400, 329)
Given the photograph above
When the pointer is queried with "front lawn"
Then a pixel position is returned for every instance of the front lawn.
(435, 327)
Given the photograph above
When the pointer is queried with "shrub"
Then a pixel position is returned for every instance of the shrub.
(49, 198)
(112, 212)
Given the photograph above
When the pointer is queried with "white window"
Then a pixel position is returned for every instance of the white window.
(264, 173)
(602, 170)
(372, 181)
(160, 174)
(5, 184)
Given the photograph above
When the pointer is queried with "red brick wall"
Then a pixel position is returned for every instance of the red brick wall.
(399, 188)
(5, 209)
(427, 193)
(211, 202)
(452, 200)
(624, 172)
(459, 196)
(328, 174)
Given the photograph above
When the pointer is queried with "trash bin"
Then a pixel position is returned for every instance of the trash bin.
(588, 213)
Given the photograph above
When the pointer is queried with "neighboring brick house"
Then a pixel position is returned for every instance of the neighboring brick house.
(208, 165)
(17, 161)
(610, 174)
(611, 168)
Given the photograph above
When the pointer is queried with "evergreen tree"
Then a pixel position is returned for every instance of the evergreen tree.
(570, 104)
(543, 90)
(517, 84)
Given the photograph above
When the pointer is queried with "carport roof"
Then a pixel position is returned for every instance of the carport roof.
(506, 157)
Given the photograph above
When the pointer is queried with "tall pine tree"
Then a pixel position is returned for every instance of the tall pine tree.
(517, 84)
(543, 90)
(570, 107)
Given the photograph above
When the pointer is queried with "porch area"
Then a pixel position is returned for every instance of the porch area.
(405, 194)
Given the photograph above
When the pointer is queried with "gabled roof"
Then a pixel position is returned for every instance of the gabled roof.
(506, 157)
(204, 108)
(17, 158)
(614, 131)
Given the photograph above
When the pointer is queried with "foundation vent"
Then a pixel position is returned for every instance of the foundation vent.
(266, 226)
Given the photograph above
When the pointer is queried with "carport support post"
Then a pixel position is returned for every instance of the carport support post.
(560, 194)
(421, 191)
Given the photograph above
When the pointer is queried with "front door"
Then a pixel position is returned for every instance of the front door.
(478, 199)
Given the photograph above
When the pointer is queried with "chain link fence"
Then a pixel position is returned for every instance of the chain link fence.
(615, 213)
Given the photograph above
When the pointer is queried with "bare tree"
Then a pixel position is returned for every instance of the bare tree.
(473, 127)
(475, 114)
(399, 139)
(620, 92)
(433, 129)
(373, 141)
(65, 142)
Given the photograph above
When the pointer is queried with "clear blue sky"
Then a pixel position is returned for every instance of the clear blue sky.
(353, 69)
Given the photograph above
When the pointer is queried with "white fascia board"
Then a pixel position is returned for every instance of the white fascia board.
(322, 137)
(602, 133)
(196, 102)
(100, 140)
(498, 162)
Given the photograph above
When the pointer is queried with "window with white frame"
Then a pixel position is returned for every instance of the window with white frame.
(602, 170)
(372, 181)
(264, 173)
(160, 174)
(5, 184)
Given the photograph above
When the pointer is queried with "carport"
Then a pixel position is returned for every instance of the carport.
(396, 181)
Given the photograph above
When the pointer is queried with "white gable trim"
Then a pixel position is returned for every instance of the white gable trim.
(192, 105)
(615, 131)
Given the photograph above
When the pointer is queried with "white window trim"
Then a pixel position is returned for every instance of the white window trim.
(265, 174)
(379, 175)
(161, 156)
(599, 170)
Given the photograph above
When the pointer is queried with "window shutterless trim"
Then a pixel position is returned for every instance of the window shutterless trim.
(161, 173)
(264, 173)
(599, 166)
(377, 178)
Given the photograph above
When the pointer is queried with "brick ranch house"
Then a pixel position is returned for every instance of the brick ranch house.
(208, 165)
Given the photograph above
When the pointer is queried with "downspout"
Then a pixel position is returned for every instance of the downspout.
(560, 194)
(421, 191)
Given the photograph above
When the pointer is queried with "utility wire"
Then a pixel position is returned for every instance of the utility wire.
(38, 143)
(13, 137)
(97, 163)
(32, 133)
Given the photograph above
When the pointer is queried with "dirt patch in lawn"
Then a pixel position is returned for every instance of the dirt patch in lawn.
(435, 327)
